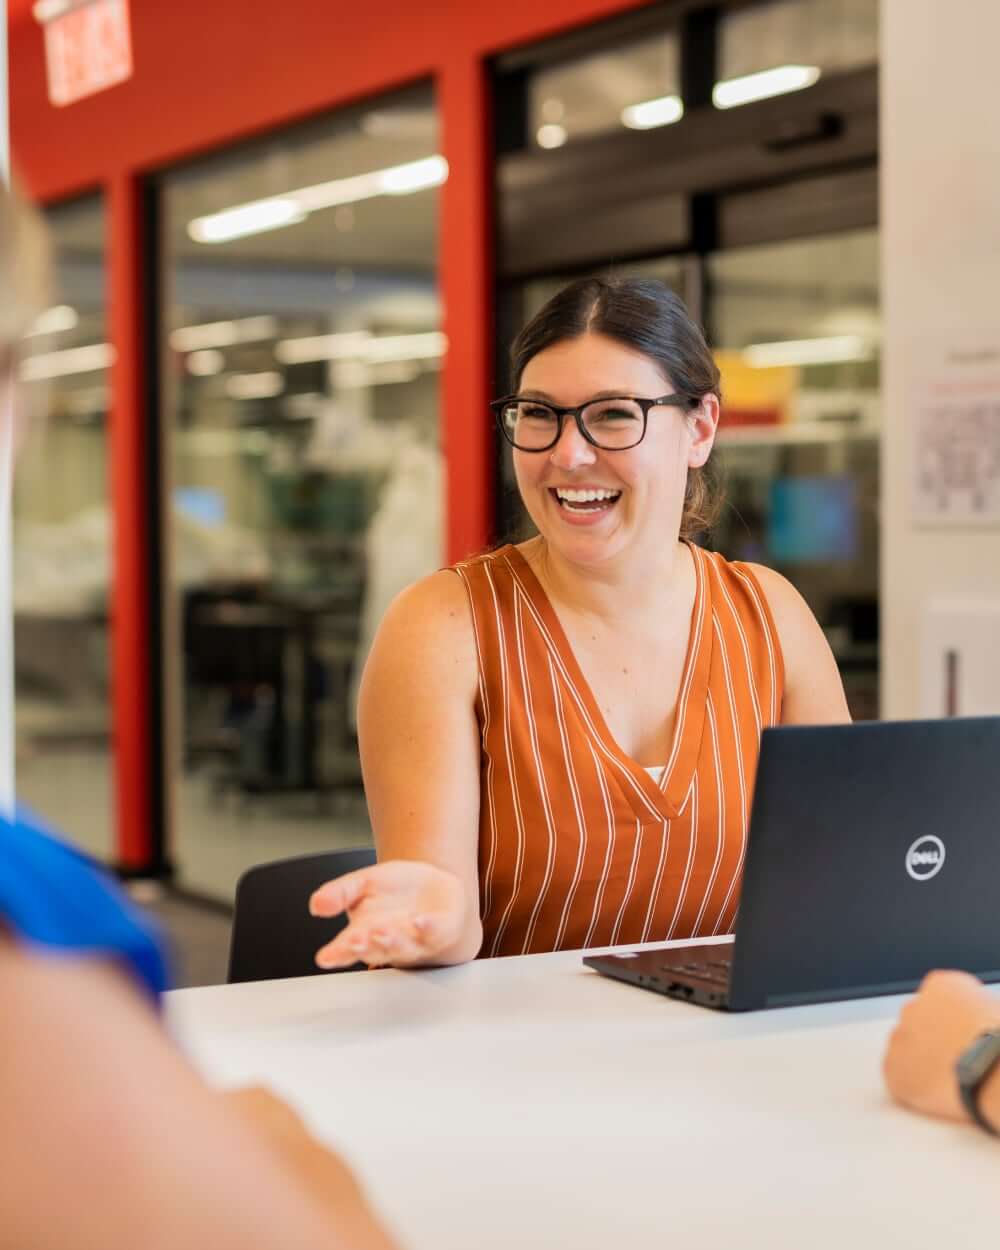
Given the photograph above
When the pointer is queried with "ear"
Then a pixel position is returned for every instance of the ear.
(702, 422)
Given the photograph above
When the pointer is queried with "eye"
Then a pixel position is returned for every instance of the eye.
(613, 412)
(534, 412)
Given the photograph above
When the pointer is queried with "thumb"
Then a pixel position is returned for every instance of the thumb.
(342, 894)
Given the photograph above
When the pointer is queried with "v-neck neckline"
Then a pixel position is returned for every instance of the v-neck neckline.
(669, 794)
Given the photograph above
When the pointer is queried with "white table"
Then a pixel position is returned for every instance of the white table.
(532, 1103)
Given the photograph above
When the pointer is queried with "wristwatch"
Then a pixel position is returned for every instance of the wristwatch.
(972, 1069)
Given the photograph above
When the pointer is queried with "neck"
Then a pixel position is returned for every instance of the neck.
(612, 591)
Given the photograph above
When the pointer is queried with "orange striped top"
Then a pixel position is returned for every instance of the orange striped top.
(578, 845)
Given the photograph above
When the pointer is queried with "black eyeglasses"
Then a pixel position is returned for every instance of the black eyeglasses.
(613, 424)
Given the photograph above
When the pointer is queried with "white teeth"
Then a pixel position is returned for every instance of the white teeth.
(585, 496)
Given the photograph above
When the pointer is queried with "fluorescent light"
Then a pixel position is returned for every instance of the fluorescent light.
(246, 219)
(61, 364)
(205, 363)
(414, 176)
(551, 135)
(223, 333)
(822, 351)
(54, 321)
(254, 385)
(405, 347)
(361, 345)
(650, 113)
(293, 207)
(347, 346)
(769, 82)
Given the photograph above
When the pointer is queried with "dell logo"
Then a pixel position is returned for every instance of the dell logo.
(925, 858)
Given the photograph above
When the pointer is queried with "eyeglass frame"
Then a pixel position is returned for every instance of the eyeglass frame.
(673, 400)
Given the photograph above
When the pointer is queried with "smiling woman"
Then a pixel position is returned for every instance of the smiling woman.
(559, 744)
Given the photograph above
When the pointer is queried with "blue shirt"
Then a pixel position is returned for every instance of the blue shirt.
(55, 898)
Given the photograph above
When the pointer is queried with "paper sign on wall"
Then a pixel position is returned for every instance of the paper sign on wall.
(956, 436)
(88, 46)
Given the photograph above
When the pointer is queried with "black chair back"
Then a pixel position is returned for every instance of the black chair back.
(273, 933)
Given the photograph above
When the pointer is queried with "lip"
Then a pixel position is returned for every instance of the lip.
(581, 518)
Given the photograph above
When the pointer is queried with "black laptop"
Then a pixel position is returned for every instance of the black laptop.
(873, 856)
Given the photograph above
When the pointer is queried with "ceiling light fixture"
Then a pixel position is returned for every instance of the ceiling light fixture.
(293, 207)
(762, 86)
(223, 333)
(361, 345)
(663, 111)
(48, 365)
(246, 219)
(551, 135)
(255, 385)
(54, 321)
(836, 349)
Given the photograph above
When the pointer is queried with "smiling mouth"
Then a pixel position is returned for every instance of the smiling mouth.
(585, 500)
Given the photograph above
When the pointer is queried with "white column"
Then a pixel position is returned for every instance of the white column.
(6, 467)
(940, 227)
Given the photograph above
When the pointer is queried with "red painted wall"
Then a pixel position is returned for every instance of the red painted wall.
(206, 75)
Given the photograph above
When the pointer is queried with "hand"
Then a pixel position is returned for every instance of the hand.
(401, 912)
(324, 1175)
(949, 1011)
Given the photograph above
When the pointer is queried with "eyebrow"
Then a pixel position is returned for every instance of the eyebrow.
(545, 397)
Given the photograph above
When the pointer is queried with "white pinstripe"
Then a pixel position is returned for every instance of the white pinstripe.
(487, 884)
(692, 796)
(508, 746)
(629, 885)
(602, 884)
(694, 646)
(751, 586)
(720, 826)
(577, 807)
(542, 787)
(744, 804)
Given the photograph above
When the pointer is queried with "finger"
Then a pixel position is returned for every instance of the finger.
(356, 943)
(341, 894)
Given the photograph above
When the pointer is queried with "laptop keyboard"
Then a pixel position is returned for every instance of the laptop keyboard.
(715, 971)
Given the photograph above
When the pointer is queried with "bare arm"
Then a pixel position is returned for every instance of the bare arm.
(420, 751)
(814, 693)
(947, 1014)
(109, 1139)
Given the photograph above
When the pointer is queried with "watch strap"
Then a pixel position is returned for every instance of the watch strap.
(970, 1084)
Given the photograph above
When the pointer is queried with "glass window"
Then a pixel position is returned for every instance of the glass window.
(819, 36)
(303, 353)
(797, 330)
(62, 545)
(636, 85)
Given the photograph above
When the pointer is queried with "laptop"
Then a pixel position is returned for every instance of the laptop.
(873, 856)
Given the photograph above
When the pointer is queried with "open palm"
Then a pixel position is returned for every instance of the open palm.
(400, 912)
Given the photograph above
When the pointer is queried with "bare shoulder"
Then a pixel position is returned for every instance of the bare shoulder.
(814, 692)
(428, 630)
(790, 611)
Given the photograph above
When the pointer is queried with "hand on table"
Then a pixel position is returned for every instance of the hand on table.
(322, 1174)
(949, 1011)
(401, 912)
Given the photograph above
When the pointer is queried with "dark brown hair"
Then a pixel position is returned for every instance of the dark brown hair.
(646, 316)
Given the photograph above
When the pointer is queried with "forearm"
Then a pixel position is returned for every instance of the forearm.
(100, 1110)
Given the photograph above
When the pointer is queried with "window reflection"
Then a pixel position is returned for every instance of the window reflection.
(62, 544)
(307, 490)
(828, 36)
(797, 330)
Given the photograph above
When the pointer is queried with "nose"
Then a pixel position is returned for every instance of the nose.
(572, 451)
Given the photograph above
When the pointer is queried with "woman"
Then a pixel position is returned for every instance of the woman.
(107, 1136)
(559, 742)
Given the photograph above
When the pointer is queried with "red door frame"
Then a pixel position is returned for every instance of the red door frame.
(206, 77)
